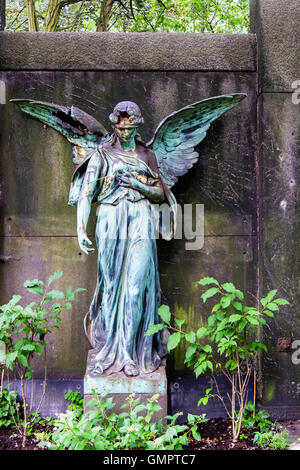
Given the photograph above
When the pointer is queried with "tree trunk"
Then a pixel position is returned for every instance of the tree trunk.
(105, 14)
(53, 12)
(31, 14)
(52, 15)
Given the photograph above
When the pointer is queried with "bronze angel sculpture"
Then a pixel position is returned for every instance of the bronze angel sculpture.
(127, 178)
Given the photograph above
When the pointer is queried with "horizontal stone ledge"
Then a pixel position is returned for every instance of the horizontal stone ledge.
(127, 51)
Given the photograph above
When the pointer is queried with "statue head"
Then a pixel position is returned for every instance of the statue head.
(126, 114)
(125, 119)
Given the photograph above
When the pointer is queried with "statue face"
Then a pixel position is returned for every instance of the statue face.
(125, 129)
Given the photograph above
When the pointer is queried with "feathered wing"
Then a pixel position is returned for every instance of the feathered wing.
(176, 136)
(82, 130)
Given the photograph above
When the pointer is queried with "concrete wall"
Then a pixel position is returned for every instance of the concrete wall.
(242, 153)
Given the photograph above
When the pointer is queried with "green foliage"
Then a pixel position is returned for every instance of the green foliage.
(35, 420)
(272, 440)
(23, 329)
(253, 418)
(228, 344)
(76, 400)
(216, 16)
(133, 428)
(8, 408)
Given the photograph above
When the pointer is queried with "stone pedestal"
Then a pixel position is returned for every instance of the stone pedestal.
(119, 387)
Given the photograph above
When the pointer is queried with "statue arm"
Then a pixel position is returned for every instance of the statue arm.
(85, 201)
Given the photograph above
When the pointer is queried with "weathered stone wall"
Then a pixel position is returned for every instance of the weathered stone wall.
(161, 72)
(39, 229)
(276, 24)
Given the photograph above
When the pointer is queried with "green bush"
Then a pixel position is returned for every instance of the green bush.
(23, 330)
(272, 440)
(232, 346)
(9, 408)
(133, 428)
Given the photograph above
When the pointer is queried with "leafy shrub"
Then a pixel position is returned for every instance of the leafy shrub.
(272, 440)
(76, 400)
(9, 408)
(231, 330)
(101, 429)
(23, 331)
(253, 417)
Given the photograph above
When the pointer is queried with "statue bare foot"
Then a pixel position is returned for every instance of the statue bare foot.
(131, 370)
(97, 369)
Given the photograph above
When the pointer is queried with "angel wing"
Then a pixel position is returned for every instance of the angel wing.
(82, 130)
(176, 136)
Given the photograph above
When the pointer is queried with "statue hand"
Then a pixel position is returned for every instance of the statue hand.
(83, 240)
(129, 181)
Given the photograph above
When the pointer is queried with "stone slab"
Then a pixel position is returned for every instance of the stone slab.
(276, 24)
(155, 382)
(127, 51)
(119, 386)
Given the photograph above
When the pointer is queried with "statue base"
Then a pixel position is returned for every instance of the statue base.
(119, 386)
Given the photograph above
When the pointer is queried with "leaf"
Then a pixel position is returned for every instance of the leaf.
(209, 293)
(190, 337)
(154, 329)
(268, 297)
(253, 320)
(55, 294)
(238, 306)
(207, 348)
(54, 276)
(239, 294)
(179, 322)
(18, 344)
(22, 360)
(235, 317)
(191, 350)
(35, 290)
(196, 434)
(10, 359)
(164, 313)
(28, 347)
(34, 286)
(281, 301)
(226, 301)
(268, 313)
(208, 280)
(14, 300)
(191, 418)
(229, 287)
(174, 340)
(272, 306)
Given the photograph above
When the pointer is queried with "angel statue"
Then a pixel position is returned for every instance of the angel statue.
(126, 178)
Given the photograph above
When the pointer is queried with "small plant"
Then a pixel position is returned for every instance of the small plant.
(133, 428)
(9, 408)
(23, 331)
(253, 417)
(272, 440)
(232, 329)
(76, 400)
